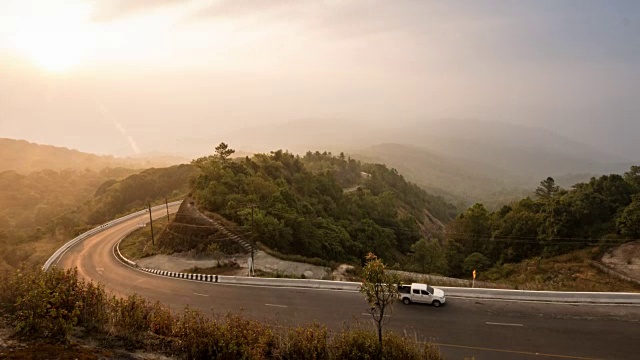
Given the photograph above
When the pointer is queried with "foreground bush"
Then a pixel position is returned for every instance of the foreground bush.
(51, 304)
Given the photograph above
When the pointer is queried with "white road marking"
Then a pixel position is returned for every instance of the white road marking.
(503, 324)
(274, 305)
(200, 294)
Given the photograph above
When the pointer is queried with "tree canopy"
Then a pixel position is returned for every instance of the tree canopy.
(555, 222)
(320, 205)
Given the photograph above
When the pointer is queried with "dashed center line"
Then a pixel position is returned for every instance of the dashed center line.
(275, 305)
(200, 294)
(503, 324)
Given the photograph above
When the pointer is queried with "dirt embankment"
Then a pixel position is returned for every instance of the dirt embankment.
(190, 235)
(625, 259)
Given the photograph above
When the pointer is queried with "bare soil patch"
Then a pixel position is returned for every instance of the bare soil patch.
(625, 258)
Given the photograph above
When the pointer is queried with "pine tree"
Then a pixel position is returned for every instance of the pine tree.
(547, 189)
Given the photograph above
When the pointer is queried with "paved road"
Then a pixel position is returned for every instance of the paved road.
(464, 327)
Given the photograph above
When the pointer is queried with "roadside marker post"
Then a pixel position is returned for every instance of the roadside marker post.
(473, 282)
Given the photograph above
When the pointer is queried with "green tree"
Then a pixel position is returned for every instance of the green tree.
(380, 289)
(472, 229)
(475, 261)
(547, 189)
(628, 224)
(223, 152)
(633, 177)
(428, 256)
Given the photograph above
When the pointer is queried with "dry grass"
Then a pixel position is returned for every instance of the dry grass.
(568, 272)
(138, 244)
(52, 307)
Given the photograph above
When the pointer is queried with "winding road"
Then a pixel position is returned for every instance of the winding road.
(484, 329)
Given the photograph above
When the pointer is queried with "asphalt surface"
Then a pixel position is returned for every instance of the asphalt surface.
(484, 329)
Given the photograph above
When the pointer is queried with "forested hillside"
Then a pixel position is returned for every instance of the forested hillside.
(459, 181)
(114, 198)
(44, 209)
(298, 205)
(25, 157)
(604, 211)
(31, 201)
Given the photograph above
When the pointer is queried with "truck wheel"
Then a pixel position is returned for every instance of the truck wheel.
(436, 303)
(406, 301)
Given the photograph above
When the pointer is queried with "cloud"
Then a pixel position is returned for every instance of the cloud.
(241, 8)
(109, 10)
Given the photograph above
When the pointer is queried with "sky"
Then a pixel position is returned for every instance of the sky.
(121, 77)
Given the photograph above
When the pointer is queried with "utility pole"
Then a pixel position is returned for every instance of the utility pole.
(252, 241)
(167, 204)
(153, 241)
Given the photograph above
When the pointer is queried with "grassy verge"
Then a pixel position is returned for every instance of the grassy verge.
(569, 272)
(215, 270)
(297, 258)
(56, 307)
(138, 244)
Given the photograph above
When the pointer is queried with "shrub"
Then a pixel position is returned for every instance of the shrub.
(359, 344)
(231, 337)
(93, 314)
(355, 344)
(49, 305)
(304, 342)
(130, 317)
(43, 304)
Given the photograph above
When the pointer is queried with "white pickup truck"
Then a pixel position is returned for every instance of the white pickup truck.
(421, 293)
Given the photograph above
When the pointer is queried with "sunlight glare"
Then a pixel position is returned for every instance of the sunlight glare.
(55, 42)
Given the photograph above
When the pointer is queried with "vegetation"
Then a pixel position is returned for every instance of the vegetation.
(137, 191)
(25, 157)
(568, 272)
(56, 304)
(138, 244)
(297, 205)
(42, 210)
(33, 200)
(459, 181)
(602, 212)
(380, 288)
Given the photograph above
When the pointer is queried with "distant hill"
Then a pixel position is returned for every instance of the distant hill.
(116, 197)
(458, 180)
(32, 200)
(468, 159)
(42, 210)
(25, 157)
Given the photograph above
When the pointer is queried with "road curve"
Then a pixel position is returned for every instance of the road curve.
(484, 329)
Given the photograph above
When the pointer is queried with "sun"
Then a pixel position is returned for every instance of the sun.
(55, 52)
(55, 42)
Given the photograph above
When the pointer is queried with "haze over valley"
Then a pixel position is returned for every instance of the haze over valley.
(154, 155)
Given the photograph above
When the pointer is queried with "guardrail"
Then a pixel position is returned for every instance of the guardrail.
(243, 280)
(544, 296)
(462, 292)
(54, 258)
(476, 293)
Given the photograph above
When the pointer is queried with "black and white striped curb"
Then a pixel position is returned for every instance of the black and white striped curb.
(196, 277)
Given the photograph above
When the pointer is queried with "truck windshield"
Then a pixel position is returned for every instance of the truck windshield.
(430, 289)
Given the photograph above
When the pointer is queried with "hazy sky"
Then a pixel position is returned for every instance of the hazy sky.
(121, 76)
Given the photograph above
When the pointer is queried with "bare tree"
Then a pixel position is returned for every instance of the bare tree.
(380, 288)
